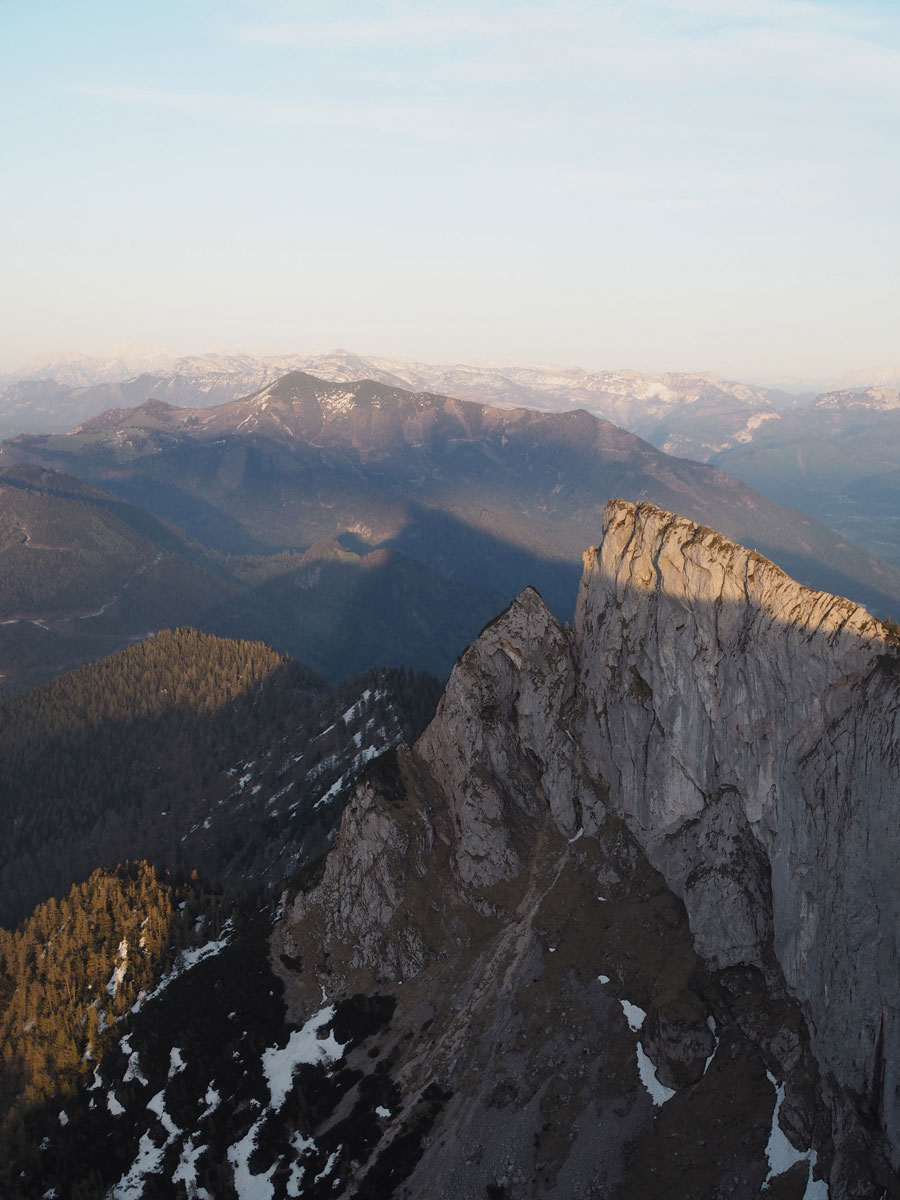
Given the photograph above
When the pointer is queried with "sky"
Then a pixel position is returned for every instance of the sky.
(652, 184)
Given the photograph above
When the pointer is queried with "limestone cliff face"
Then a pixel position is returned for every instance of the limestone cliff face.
(749, 730)
(707, 728)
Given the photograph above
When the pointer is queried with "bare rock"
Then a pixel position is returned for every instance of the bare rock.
(763, 709)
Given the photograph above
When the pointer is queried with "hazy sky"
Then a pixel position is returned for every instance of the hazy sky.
(679, 184)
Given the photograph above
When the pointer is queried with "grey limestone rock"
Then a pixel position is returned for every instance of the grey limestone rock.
(757, 761)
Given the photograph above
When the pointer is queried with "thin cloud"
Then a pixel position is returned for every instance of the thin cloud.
(659, 43)
(396, 31)
(422, 121)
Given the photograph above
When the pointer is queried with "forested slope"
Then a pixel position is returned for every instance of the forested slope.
(164, 750)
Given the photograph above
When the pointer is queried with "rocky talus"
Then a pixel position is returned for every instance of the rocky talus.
(632, 895)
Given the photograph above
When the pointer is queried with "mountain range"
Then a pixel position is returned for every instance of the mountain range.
(621, 922)
(57, 394)
(351, 525)
(303, 460)
(797, 448)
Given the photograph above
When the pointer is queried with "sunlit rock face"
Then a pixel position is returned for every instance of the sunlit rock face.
(749, 730)
(684, 805)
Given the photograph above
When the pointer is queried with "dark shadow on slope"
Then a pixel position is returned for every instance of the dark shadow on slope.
(144, 756)
(343, 613)
(148, 524)
(201, 519)
(469, 555)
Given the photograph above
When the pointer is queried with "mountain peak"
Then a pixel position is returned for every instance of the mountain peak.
(872, 399)
(647, 549)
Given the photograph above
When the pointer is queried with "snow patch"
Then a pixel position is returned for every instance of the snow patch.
(304, 1046)
(186, 960)
(367, 695)
(113, 1104)
(711, 1025)
(634, 1015)
(336, 403)
(782, 1155)
(301, 1146)
(148, 1160)
(247, 1185)
(365, 755)
(659, 1093)
(157, 1104)
(212, 1100)
(133, 1069)
(321, 767)
(115, 980)
(186, 1171)
(329, 1166)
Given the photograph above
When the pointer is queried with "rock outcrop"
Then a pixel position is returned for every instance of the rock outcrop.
(749, 730)
(708, 734)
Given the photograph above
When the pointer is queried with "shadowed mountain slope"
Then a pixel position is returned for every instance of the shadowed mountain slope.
(453, 483)
(190, 751)
(84, 572)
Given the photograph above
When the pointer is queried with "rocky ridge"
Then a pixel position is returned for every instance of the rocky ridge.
(708, 730)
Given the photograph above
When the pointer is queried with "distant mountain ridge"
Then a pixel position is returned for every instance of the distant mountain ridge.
(667, 408)
(487, 497)
(56, 394)
(694, 415)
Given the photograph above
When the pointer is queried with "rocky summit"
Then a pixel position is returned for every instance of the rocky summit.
(633, 894)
